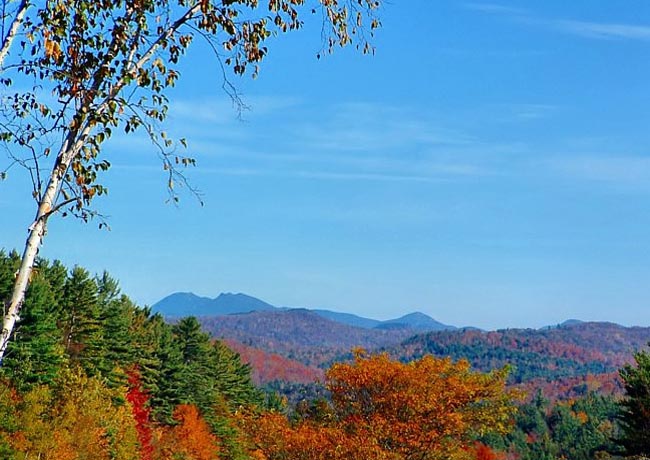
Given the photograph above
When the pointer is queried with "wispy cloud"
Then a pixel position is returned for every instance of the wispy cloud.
(624, 171)
(343, 174)
(533, 111)
(524, 112)
(222, 110)
(345, 142)
(218, 111)
(585, 29)
(351, 176)
(494, 8)
(604, 30)
(358, 127)
(357, 142)
(318, 175)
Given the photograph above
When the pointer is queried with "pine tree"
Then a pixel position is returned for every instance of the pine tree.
(56, 275)
(80, 321)
(36, 354)
(145, 333)
(635, 407)
(9, 263)
(194, 345)
(116, 314)
(165, 382)
(232, 377)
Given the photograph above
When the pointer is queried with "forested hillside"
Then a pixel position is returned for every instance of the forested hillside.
(299, 334)
(564, 361)
(270, 367)
(90, 375)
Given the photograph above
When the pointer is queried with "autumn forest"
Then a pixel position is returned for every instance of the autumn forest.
(90, 374)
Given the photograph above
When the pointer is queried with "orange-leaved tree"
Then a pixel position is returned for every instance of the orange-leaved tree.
(190, 439)
(273, 437)
(427, 409)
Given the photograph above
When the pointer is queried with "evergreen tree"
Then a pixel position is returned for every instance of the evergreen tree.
(166, 380)
(231, 388)
(9, 263)
(80, 321)
(194, 345)
(36, 354)
(116, 314)
(635, 407)
(145, 332)
(232, 377)
(56, 275)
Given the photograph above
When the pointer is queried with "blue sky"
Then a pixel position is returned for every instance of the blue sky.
(489, 166)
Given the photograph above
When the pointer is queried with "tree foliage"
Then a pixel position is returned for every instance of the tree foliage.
(75, 418)
(578, 429)
(635, 407)
(90, 396)
(427, 409)
(191, 437)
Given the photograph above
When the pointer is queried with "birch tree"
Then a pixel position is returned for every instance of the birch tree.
(93, 67)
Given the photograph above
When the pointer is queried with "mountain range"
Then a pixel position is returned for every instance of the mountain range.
(296, 345)
(181, 304)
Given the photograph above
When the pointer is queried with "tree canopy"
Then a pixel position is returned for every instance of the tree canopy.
(635, 407)
(430, 408)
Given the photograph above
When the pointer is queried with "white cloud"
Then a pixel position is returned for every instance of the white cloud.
(585, 29)
(223, 111)
(343, 174)
(354, 141)
(604, 30)
(359, 127)
(494, 8)
(532, 111)
(348, 142)
(625, 170)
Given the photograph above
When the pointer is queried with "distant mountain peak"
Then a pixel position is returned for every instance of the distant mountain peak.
(189, 304)
(231, 295)
(418, 321)
(572, 322)
(416, 315)
(567, 323)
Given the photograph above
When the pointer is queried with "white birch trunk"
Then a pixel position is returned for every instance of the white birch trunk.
(33, 243)
(13, 30)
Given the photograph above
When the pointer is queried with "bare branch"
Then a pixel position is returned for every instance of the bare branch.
(168, 159)
(229, 88)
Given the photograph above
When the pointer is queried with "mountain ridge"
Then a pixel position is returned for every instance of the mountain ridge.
(296, 344)
(180, 304)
